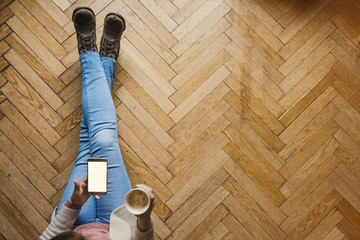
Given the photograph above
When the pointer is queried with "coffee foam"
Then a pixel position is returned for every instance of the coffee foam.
(137, 201)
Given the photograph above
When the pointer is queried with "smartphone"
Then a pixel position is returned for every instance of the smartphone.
(97, 176)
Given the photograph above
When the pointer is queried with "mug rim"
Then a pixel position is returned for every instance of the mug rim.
(129, 208)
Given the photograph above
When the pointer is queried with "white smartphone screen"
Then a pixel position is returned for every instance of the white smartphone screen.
(97, 176)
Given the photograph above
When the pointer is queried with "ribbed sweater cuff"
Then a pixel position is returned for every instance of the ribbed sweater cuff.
(149, 235)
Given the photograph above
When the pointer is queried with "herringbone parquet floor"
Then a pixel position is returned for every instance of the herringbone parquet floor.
(243, 115)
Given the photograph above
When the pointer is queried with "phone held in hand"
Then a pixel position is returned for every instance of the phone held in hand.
(97, 176)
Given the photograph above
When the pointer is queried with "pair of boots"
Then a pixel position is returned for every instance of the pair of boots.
(85, 25)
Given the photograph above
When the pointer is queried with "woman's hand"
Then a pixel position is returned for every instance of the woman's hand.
(144, 222)
(80, 194)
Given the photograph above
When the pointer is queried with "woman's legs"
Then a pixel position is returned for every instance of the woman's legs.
(100, 116)
(88, 211)
(98, 139)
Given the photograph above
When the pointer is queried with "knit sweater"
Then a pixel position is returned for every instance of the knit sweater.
(123, 225)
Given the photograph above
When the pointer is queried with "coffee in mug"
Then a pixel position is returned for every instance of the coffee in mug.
(137, 201)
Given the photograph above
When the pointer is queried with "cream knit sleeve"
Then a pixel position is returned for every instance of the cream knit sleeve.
(62, 222)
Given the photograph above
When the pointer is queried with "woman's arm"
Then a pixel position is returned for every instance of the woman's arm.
(68, 214)
(145, 223)
(62, 222)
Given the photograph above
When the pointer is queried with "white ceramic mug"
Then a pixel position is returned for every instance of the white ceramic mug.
(137, 201)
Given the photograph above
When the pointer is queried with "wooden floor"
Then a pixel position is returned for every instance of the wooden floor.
(243, 115)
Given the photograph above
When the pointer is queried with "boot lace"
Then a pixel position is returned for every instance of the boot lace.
(108, 47)
(87, 42)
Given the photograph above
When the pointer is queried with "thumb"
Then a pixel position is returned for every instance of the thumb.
(77, 186)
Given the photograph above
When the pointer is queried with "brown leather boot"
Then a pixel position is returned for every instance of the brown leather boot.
(114, 26)
(85, 25)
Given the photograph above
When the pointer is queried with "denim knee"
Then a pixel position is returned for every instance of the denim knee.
(104, 140)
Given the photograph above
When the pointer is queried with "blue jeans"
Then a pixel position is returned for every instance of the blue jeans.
(98, 139)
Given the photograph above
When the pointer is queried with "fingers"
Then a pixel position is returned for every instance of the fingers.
(77, 186)
(85, 179)
(147, 189)
(97, 197)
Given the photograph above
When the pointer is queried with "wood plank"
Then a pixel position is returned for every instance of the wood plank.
(144, 153)
(311, 146)
(243, 84)
(210, 223)
(31, 193)
(199, 78)
(4, 31)
(150, 88)
(207, 23)
(142, 133)
(51, 22)
(252, 159)
(151, 180)
(32, 96)
(197, 198)
(4, 47)
(302, 20)
(313, 42)
(345, 28)
(145, 100)
(52, 9)
(199, 94)
(321, 102)
(201, 146)
(237, 230)
(151, 60)
(200, 61)
(245, 218)
(335, 234)
(305, 101)
(311, 60)
(306, 32)
(192, 185)
(26, 167)
(194, 19)
(257, 124)
(152, 22)
(199, 126)
(350, 213)
(347, 92)
(22, 204)
(252, 208)
(144, 117)
(309, 167)
(305, 134)
(37, 121)
(262, 148)
(5, 14)
(255, 71)
(13, 216)
(72, 138)
(33, 79)
(348, 12)
(201, 44)
(254, 191)
(315, 198)
(37, 29)
(348, 229)
(27, 129)
(29, 150)
(200, 213)
(44, 73)
(255, 174)
(246, 47)
(316, 215)
(256, 24)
